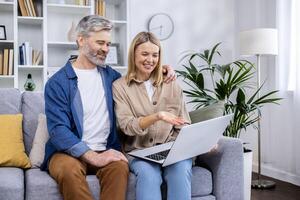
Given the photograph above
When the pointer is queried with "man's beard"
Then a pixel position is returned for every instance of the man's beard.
(92, 55)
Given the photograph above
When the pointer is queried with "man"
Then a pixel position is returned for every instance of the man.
(81, 120)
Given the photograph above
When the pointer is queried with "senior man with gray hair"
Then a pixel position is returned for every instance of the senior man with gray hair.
(81, 120)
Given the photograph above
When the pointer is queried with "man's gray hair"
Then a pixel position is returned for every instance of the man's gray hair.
(92, 23)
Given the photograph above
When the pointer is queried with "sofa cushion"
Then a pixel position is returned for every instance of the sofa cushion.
(32, 105)
(12, 152)
(12, 183)
(40, 184)
(10, 101)
(201, 182)
(37, 152)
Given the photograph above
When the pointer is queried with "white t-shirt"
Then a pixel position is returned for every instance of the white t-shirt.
(149, 88)
(96, 124)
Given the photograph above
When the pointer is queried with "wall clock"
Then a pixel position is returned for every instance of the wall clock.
(161, 25)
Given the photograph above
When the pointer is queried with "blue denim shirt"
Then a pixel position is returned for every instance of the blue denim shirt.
(63, 108)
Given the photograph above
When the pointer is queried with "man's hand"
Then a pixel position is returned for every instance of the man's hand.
(104, 158)
(169, 73)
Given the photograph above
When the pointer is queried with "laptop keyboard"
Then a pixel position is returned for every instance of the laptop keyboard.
(159, 155)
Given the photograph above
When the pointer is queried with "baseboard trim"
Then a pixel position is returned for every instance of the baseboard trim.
(277, 174)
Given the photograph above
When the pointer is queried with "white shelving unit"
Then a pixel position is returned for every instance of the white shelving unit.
(31, 29)
(49, 33)
(8, 19)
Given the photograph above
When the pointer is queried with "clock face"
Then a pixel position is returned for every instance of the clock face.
(161, 25)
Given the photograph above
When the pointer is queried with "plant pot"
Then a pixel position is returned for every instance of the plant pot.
(247, 173)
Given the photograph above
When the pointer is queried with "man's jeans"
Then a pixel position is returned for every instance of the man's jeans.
(149, 175)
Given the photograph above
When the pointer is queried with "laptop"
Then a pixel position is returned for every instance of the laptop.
(192, 140)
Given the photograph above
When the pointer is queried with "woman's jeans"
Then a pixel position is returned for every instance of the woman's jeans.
(149, 175)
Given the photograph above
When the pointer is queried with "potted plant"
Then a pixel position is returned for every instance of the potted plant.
(211, 84)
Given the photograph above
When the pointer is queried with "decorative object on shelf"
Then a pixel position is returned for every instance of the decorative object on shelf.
(2, 32)
(29, 84)
(113, 57)
(162, 25)
(72, 33)
(261, 41)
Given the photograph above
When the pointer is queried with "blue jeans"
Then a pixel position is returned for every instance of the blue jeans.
(149, 175)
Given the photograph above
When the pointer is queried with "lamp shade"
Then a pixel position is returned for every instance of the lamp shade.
(261, 41)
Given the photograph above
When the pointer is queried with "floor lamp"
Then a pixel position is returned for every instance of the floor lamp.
(259, 42)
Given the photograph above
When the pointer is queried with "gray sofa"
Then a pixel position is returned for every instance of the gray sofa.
(216, 175)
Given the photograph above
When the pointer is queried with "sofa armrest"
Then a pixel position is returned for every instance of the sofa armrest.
(226, 165)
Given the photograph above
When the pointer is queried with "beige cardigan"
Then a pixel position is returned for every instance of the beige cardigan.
(132, 102)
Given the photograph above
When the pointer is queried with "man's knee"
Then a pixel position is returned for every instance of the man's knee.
(117, 168)
(120, 167)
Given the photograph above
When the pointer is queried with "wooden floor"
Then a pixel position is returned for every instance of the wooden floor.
(282, 191)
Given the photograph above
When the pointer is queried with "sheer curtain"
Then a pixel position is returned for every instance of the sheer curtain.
(294, 77)
(286, 129)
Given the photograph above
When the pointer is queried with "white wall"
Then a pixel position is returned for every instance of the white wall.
(199, 24)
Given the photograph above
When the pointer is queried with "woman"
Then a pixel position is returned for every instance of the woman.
(150, 112)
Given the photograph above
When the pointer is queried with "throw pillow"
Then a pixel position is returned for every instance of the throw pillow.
(37, 152)
(206, 113)
(12, 152)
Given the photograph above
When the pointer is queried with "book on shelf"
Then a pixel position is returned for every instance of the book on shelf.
(24, 53)
(5, 61)
(27, 8)
(38, 5)
(32, 8)
(23, 8)
(37, 57)
(11, 62)
(82, 2)
(34, 52)
(100, 7)
(29, 56)
(21, 55)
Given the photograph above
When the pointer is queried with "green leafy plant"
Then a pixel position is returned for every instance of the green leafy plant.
(229, 83)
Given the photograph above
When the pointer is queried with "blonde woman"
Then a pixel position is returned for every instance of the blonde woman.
(151, 112)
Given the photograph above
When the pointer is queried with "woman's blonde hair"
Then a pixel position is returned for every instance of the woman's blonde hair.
(140, 38)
